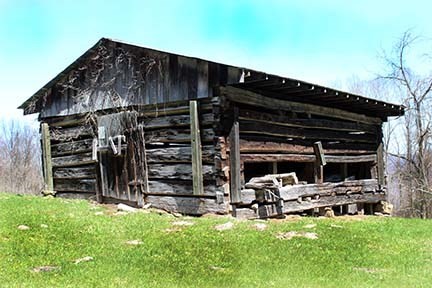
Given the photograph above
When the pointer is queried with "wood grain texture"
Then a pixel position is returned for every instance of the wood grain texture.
(187, 205)
(250, 98)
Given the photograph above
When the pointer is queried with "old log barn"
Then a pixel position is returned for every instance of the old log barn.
(130, 124)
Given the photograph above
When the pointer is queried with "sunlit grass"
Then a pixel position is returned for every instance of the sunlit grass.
(359, 252)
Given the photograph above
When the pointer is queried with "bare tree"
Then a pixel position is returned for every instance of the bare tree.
(19, 158)
(416, 159)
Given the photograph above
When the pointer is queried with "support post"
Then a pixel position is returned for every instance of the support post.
(47, 163)
(319, 162)
(197, 177)
(380, 165)
(144, 169)
(234, 143)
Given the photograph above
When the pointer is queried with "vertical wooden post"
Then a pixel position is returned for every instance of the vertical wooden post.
(319, 162)
(380, 165)
(47, 164)
(144, 172)
(234, 143)
(197, 172)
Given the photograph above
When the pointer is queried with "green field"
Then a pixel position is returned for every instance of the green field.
(349, 252)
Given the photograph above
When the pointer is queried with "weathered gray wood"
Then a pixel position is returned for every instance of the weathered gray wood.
(175, 121)
(47, 161)
(197, 176)
(75, 172)
(187, 205)
(251, 158)
(144, 174)
(69, 120)
(75, 185)
(72, 147)
(250, 98)
(176, 136)
(157, 187)
(249, 146)
(325, 124)
(178, 154)
(380, 165)
(73, 160)
(235, 177)
(178, 171)
(71, 133)
(165, 109)
(260, 128)
(245, 213)
(319, 163)
(295, 192)
(319, 154)
(270, 210)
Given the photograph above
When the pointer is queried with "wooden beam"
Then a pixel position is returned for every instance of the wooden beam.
(250, 146)
(319, 153)
(319, 163)
(277, 157)
(380, 165)
(250, 98)
(262, 128)
(46, 154)
(235, 177)
(286, 120)
(197, 176)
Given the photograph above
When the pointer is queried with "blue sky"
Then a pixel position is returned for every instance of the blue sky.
(319, 41)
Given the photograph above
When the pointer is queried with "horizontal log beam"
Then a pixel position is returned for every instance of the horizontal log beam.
(175, 121)
(72, 147)
(75, 185)
(250, 98)
(253, 158)
(324, 124)
(83, 172)
(73, 160)
(270, 210)
(159, 111)
(179, 188)
(178, 171)
(250, 146)
(72, 133)
(252, 127)
(294, 192)
(176, 136)
(178, 155)
(187, 205)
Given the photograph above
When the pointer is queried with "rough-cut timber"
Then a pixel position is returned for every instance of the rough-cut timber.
(129, 124)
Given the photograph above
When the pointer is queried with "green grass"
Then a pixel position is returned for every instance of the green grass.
(370, 252)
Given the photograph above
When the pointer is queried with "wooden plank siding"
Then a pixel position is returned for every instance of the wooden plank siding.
(135, 76)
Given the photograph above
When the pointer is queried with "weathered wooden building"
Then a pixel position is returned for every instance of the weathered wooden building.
(130, 124)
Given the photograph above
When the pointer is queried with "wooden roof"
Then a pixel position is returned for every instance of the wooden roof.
(265, 84)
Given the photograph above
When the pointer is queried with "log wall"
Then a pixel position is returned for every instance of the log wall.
(167, 134)
(273, 133)
(74, 169)
(281, 134)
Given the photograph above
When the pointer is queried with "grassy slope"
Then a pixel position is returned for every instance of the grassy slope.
(374, 252)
